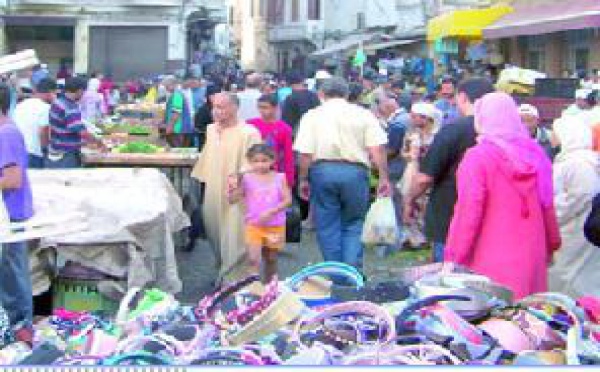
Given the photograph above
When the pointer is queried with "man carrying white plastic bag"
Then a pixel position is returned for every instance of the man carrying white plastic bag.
(381, 228)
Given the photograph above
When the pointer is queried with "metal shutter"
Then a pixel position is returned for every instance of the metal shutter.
(128, 52)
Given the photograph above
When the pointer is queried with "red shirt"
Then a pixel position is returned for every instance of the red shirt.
(278, 135)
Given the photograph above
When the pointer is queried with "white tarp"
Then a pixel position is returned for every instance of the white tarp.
(132, 216)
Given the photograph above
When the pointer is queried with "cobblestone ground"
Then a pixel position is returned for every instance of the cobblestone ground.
(197, 273)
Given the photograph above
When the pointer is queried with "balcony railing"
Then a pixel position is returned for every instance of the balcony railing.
(295, 31)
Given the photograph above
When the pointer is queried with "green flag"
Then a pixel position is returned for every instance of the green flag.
(359, 58)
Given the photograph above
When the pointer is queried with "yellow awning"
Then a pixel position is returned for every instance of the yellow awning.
(464, 24)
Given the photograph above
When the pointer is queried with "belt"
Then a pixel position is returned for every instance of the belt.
(340, 161)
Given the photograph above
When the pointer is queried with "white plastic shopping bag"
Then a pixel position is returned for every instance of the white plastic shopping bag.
(4, 219)
(380, 227)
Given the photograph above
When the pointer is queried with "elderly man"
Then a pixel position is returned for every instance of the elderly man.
(338, 143)
(227, 141)
(249, 97)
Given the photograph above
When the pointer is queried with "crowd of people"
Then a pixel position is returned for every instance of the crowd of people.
(472, 174)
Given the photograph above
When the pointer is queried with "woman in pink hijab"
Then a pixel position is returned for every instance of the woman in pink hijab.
(504, 223)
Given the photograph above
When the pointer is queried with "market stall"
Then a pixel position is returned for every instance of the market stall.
(437, 314)
(131, 217)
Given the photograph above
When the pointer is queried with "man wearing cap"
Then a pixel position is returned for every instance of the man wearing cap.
(338, 143)
(581, 103)
(531, 118)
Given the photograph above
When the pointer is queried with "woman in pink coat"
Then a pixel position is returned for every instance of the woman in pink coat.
(504, 223)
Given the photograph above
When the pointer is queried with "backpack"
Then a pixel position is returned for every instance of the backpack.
(592, 224)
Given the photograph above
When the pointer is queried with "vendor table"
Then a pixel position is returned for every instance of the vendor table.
(177, 166)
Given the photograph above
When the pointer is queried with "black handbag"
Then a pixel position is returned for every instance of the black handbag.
(293, 223)
(592, 223)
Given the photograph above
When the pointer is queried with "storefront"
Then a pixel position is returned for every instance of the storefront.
(556, 37)
(452, 35)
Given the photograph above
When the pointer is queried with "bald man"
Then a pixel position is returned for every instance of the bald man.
(248, 98)
(227, 141)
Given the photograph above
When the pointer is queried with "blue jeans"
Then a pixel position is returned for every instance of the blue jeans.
(15, 283)
(438, 252)
(340, 201)
(36, 162)
(69, 160)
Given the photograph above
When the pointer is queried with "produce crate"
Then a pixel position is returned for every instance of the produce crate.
(81, 295)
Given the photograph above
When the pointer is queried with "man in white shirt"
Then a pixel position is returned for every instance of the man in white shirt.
(339, 143)
(32, 117)
(249, 97)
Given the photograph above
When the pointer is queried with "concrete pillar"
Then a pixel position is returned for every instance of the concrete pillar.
(81, 45)
(177, 44)
(3, 40)
(554, 55)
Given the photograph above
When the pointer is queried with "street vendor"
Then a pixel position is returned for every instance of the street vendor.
(178, 120)
(15, 280)
(68, 133)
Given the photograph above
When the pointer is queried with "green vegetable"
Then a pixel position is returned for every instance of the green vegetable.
(138, 130)
(138, 147)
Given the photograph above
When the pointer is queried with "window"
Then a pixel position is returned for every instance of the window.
(537, 60)
(580, 59)
(314, 10)
(275, 12)
(295, 11)
(360, 21)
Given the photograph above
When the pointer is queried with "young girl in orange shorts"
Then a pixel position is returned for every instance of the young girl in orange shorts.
(267, 196)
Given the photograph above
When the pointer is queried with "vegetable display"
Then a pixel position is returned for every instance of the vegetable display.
(136, 130)
(138, 147)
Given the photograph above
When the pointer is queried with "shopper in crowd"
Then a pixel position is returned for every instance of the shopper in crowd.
(32, 117)
(68, 133)
(446, 101)
(504, 215)
(178, 119)
(531, 118)
(92, 104)
(15, 279)
(438, 168)
(204, 115)
(106, 88)
(276, 134)
(249, 97)
(581, 104)
(224, 154)
(576, 183)
(266, 196)
(425, 123)
(299, 102)
(338, 142)
(396, 123)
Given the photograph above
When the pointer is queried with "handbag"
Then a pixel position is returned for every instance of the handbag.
(592, 223)
(293, 223)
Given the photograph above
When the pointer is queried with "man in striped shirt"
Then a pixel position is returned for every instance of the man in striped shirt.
(68, 133)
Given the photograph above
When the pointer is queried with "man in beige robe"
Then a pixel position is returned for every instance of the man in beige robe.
(227, 141)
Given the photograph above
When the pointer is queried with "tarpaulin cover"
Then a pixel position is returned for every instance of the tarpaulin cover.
(132, 214)
(466, 24)
(535, 17)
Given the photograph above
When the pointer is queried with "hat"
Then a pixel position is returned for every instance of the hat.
(582, 93)
(322, 74)
(426, 109)
(526, 109)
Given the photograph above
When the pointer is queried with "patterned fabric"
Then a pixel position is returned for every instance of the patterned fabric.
(66, 127)
(6, 334)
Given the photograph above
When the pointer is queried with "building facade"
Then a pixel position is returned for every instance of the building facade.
(124, 38)
(280, 35)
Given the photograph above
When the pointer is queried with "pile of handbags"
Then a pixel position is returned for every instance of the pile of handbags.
(431, 315)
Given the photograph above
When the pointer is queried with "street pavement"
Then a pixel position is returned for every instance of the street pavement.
(197, 268)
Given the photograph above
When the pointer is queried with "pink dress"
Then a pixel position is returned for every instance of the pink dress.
(278, 135)
(259, 197)
(500, 228)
